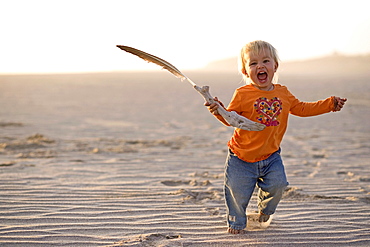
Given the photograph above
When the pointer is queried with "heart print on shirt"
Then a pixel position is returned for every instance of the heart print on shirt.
(268, 110)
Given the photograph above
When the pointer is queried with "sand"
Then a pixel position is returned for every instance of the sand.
(134, 159)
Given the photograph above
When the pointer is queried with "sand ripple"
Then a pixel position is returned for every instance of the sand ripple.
(101, 174)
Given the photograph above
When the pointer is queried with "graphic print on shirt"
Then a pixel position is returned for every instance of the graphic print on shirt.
(268, 110)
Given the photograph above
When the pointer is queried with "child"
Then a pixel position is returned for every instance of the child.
(254, 156)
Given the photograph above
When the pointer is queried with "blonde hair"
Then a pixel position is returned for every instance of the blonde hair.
(255, 47)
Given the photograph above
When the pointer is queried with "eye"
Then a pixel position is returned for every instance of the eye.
(252, 64)
(266, 60)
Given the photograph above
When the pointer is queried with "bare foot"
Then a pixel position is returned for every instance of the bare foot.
(263, 217)
(233, 231)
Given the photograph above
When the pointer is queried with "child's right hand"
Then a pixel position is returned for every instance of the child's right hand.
(213, 107)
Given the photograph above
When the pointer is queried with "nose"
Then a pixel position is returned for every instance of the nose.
(260, 65)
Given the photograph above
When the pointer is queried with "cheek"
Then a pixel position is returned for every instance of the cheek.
(251, 72)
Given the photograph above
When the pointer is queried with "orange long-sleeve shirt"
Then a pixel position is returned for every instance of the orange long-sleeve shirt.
(271, 108)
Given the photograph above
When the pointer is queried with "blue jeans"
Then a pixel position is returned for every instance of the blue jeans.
(241, 177)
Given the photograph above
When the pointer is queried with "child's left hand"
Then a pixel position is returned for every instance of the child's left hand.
(339, 103)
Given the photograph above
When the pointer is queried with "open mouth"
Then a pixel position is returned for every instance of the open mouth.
(262, 76)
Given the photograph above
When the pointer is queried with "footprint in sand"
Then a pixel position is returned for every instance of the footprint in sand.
(10, 163)
(206, 175)
(364, 179)
(213, 211)
(186, 182)
(154, 239)
(198, 196)
(296, 194)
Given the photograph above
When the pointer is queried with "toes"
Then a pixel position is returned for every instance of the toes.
(234, 231)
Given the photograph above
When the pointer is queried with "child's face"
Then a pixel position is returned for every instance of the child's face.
(260, 68)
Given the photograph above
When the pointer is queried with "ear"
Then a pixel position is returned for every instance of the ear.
(244, 72)
(276, 66)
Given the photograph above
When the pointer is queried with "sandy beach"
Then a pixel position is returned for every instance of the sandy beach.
(135, 159)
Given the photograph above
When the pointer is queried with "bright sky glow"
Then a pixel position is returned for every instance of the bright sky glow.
(45, 36)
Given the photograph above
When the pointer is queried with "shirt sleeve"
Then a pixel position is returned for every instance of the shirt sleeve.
(308, 109)
(235, 103)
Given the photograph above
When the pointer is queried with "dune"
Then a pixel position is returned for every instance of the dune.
(336, 65)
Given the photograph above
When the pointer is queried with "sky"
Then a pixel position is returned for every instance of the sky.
(61, 36)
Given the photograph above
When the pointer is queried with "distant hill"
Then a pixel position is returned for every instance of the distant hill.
(334, 64)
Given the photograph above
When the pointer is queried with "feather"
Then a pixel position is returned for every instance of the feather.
(232, 118)
(153, 59)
